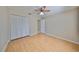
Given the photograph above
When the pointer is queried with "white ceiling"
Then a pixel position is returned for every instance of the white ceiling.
(54, 9)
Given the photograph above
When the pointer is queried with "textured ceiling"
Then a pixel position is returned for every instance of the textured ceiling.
(54, 9)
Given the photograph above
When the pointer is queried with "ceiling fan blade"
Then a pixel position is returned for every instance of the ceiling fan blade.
(36, 10)
(46, 10)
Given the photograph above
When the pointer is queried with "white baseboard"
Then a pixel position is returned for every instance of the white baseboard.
(5, 46)
(75, 42)
(10, 40)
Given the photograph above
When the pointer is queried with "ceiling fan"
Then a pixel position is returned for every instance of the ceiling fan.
(42, 10)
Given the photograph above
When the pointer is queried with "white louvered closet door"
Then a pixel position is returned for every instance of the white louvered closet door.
(13, 28)
(19, 26)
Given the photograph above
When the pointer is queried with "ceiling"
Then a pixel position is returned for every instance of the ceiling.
(54, 9)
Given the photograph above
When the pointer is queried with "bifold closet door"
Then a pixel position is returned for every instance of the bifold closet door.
(19, 26)
(13, 23)
(25, 26)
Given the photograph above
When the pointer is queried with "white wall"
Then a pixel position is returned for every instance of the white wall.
(63, 25)
(5, 23)
(4, 28)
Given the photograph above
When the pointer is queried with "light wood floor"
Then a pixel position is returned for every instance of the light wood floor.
(41, 42)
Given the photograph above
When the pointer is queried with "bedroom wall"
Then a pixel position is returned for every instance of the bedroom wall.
(5, 24)
(4, 28)
(64, 25)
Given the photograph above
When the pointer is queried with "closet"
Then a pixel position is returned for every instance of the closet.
(19, 26)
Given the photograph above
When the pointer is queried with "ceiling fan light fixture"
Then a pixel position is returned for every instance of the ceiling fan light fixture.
(41, 13)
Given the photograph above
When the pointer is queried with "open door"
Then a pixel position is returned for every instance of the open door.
(42, 26)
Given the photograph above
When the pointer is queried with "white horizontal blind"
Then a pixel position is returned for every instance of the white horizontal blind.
(19, 26)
